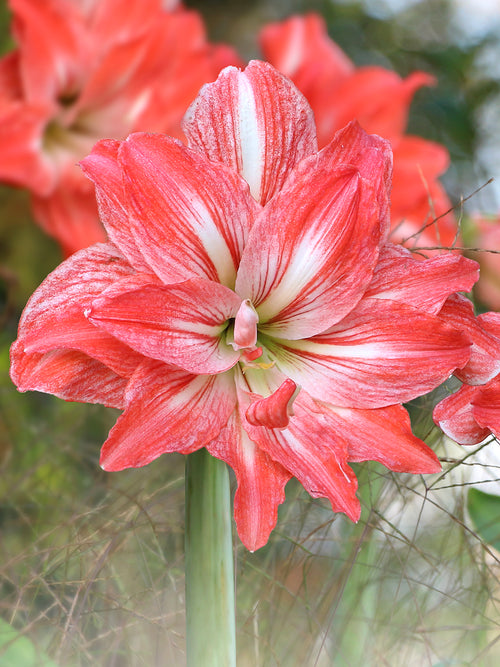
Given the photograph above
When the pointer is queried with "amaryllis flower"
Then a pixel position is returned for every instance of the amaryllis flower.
(379, 100)
(87, 70)
(473, 412)
(248, 302)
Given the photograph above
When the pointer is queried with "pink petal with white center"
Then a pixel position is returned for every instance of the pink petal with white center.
(372, 157)
(256, 122)
(167, 410)
(309, 451)
(68, 374)
(382, 435)
(190, 217)
(182, 324)
(381, 354)
(484, 362)
(55, 315)
(261, 483)
(322, 234)
(102, 167)
(455, 415)
(425, 284)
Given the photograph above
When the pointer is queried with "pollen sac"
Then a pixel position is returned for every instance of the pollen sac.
(275, 410)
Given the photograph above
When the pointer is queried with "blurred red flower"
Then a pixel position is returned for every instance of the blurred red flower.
(379, 100)
(87, 70)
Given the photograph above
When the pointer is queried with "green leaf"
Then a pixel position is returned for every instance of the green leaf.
(484, 510)
(17, 650)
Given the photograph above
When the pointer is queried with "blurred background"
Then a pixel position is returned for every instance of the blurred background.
(91, 563)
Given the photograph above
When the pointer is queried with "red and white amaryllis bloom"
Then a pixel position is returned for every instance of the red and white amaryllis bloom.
(379, 100)
(84, 70)
(248, 302)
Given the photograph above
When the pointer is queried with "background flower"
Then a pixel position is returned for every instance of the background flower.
(379, 99)
(84, 71)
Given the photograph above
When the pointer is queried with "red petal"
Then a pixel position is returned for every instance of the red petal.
(309, 452)
(67, 374)
(261, 483)
(383, 435)
(455, 415)
(381, 354)
(54, 316)
(182, 324)
(21, 162)
(102, 167)
(54, 45)
(190, 217)
(254, 121)
(486, 407)
(167, 411)
(425, 284)
(484, 362)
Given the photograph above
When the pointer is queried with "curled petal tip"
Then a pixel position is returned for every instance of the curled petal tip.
(275, 410)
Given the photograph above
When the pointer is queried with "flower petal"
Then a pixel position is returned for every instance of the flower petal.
(455, 415)
(182, 324)
(261, 483)
(425, 284)
(53, 40)
(190, 217)
(484, 334)
(21, 128)
(383, 435)
(68, 374)
(486, 407)
(254, 121)
(167, 410)
(322, 235)
(381, 354)
(102, 167)
(309, 452)
(54, 316)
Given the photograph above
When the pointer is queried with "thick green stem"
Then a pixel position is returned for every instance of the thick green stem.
(210, 599)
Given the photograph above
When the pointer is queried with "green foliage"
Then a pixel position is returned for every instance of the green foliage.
(18, 651)
(484, 510)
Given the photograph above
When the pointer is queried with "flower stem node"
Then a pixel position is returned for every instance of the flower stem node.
(275, 410)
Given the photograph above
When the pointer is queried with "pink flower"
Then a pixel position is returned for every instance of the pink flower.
(86, 70)
(248, 302)
(379, 100)
(473, 412)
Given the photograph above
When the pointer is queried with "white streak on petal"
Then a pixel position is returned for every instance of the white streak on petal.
(250, 138)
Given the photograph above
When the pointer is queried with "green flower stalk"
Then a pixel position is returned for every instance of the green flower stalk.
(210, 598)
